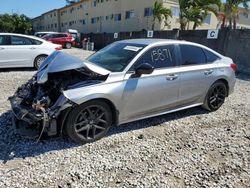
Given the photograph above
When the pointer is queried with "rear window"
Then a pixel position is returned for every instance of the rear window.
(192, 55)
(211, 57)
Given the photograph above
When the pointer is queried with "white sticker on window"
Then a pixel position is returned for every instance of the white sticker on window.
(132, 48)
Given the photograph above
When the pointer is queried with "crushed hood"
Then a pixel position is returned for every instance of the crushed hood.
(59, 61)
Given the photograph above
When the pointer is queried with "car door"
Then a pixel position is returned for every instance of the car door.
(5, 60)
(21, 51)
(196, 74)
(59, 39)
(154, 93)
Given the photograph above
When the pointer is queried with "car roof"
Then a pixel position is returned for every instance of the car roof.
(155, 42)
(46, 32)
(143, 41)
(147, 41)
(21, 35)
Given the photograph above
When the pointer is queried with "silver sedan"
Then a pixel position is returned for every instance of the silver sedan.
(124, 82)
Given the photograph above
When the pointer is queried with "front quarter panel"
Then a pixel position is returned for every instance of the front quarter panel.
(111, 89)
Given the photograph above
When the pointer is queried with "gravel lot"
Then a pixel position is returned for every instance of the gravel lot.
(191, 148)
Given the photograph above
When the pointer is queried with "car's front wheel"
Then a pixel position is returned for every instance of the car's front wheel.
(89, 122)
(216, 96)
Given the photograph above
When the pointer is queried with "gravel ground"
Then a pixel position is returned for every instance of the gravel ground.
(191, 148)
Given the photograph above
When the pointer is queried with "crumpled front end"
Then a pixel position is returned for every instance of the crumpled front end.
(34, 111)
(37, 105)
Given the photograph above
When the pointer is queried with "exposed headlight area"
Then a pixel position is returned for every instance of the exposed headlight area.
(36, 106)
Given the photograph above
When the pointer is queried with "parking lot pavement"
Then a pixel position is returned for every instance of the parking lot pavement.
(78, 52)
(191, 148)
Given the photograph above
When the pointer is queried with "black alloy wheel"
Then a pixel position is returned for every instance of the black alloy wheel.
(89, 122)
(216, 96)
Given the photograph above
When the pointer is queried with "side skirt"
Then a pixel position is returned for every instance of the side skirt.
(161, 113)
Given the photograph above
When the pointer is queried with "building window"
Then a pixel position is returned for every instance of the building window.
(85, 6)
(94, 2)
(94, 20)
(130, 14)
(175, 11)
(148, 11)
(83, 22)
(118, 17)
(208, 19)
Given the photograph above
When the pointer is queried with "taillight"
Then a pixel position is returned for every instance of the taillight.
(58, 48)
(234, 67)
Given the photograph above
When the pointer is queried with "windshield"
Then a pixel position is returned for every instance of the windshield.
(116, 57)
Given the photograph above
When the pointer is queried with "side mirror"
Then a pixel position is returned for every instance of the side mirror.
(144, 68)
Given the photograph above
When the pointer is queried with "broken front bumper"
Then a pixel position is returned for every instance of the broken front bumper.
(32, 124)
(25, 121)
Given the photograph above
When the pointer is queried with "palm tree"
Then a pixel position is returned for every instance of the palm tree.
(160, 13)
(203, 8)
(231, 10)
(196, 11)
(184, 12)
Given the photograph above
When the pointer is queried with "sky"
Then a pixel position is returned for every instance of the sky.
(31, 8)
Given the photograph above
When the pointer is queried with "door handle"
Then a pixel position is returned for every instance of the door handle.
(172, 77)
(208, 72)
(32, 48)
(2, 48)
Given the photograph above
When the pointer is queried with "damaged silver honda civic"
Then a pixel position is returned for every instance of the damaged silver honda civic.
(124, 82)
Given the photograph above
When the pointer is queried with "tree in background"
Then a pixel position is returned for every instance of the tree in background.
(15, 23)
(231, 10)
(196, 11)
(160, 13)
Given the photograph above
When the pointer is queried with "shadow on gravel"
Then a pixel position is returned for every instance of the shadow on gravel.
(17, 69)
(155, 121)
(13, 146)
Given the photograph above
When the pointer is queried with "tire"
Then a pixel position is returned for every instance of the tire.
(216, 96)
(39, 60)
(68, 45)
(89, 122)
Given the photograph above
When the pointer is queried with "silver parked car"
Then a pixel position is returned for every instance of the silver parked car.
(124, 82)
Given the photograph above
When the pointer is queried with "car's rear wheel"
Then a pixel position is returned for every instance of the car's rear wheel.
(216, 96)
(68, 45)
(39, 60)
(89, 122)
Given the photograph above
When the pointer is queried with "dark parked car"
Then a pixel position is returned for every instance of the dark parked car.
(64, 39)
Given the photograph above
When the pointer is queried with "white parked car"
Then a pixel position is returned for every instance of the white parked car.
(24, 51)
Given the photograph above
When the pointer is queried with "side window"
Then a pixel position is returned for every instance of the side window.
(52, 36)
(158, 57)
(35, 42)
(61, 35)
(3, 40)
(192, 55)
(211, 57)
(16, 40)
